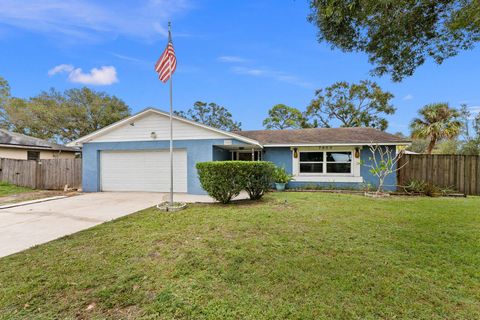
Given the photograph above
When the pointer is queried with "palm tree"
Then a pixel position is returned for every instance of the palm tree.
(437, 121)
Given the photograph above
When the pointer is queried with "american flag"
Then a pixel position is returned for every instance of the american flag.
(167, 63)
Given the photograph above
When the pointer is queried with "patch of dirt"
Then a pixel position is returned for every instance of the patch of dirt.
(35, 195)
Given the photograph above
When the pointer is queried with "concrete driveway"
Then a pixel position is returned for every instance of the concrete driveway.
(25, 226)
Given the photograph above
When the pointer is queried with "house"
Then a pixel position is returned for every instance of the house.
(133, 154)
(19, 146)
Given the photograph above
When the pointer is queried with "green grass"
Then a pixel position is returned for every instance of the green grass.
(7, 189)
(293, 255)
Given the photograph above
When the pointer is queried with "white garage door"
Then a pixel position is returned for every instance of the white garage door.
(142, 171)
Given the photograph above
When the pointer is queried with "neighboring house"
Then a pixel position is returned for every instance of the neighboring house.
(133, 154)
(19, 146)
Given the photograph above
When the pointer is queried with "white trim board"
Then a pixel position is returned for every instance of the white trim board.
(353, 176)
(331, 179)
(294, 145)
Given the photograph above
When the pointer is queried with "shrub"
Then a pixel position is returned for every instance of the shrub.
(223, 180)
(426, 188)
(415, 186)
(431, 190)
(260, 175)
(281, 176)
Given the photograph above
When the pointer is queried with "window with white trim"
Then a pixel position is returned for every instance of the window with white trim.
(311, 162)
(339, 162)
(325, 162)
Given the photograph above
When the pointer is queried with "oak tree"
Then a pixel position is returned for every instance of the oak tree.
(351, 105)
(398, 35)
(211, 114)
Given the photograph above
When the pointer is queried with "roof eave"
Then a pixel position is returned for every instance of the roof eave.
(21, 146)
(90, 136)
(271, 145)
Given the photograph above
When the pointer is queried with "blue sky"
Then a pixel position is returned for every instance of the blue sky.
(247, 55)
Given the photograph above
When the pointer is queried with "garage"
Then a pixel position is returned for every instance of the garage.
(142, 170)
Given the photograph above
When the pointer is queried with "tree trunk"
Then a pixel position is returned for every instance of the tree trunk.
(380, 185)
(431, 145)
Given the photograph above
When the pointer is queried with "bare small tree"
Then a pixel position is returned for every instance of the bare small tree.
(383, 163)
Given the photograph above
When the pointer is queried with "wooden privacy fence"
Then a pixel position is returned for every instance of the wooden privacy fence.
(459, 172)
(52, 174)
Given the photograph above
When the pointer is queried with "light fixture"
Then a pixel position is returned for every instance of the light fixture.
(153, 134)
(132, 124)
(357, 153)
(295, 153)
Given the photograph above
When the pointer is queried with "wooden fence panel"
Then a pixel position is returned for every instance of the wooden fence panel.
(459, 172)
(52, 174)
(18, 172)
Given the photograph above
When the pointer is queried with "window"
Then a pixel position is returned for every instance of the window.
(33, 155)
(247, 155)
(322, 162)
(339, 162)
(311, 162)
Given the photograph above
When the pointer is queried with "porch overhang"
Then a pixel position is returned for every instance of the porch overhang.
(239, 147)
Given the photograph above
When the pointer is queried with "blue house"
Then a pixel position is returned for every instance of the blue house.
(133, 154)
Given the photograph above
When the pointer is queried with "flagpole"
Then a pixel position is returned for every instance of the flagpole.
(171, 126)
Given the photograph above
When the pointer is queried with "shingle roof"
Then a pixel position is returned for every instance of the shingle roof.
(20, 140)
(322, 136)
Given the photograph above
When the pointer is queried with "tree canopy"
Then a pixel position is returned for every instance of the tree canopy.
(62, 116)
(351, 105)
(437, 121)
(211, 114)
(282, 116)
(4, 91)
(398, 35)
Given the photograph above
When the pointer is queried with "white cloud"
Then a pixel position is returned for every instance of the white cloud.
(261, 71)
(232, 59)
(88, 20)
(60, 68)
(407, 97)
(250, 71)
(103, 76)
(128, 58)
(272, 74)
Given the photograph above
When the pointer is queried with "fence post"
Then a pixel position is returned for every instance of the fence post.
(38, 174)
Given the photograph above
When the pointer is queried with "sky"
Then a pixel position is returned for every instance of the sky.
(246, 55)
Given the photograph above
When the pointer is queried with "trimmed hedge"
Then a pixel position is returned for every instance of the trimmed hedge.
(260, 176)
(224, 180)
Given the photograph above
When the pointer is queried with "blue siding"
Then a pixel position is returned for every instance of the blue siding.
(197, 151)
(282, 157)
(326, 185)
(205, 150)
(390, 183)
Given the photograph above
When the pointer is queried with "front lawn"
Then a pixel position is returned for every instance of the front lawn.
(292, 255)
